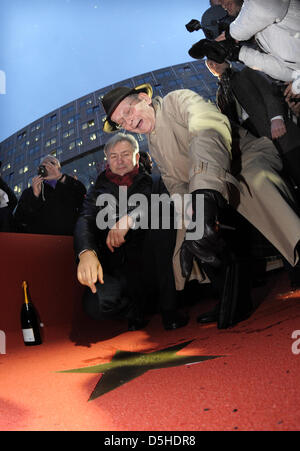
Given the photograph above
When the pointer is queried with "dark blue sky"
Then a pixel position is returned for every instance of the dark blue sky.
(54, 51)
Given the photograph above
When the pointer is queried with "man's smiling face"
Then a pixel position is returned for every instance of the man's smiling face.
(135, 114)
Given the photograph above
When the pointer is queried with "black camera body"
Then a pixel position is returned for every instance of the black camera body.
(193, 25)
(214, 21)
(42, 171)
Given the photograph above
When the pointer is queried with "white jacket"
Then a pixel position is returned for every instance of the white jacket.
(276, 27)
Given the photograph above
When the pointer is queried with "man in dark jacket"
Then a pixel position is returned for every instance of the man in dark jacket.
(248, 98)
(51, 205)
(118, 286)
(8, 202)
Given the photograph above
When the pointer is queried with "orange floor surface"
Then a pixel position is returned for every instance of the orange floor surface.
(90, 376)
(251, 384)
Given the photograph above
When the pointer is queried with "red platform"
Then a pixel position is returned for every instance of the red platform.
(254, 385)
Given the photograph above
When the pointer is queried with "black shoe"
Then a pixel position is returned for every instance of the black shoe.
(294, 275)
(172, 321)
(208, 317)
(242, 316)
(294, 272)
(137, 324)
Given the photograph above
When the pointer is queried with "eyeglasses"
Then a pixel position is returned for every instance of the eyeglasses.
(127, 113)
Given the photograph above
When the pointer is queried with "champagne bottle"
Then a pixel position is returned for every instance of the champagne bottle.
(29, 321)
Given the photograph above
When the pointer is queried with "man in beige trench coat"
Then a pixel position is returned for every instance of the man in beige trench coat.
(190, 140)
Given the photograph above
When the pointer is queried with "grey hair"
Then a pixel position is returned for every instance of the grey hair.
(51, 157)
(118, 137)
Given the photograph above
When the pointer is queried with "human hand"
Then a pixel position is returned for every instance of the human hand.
(295, 107)
(53, 171)
(37, 185)
(278, 128)
(89, 270)
(116, 236)
(221, 37)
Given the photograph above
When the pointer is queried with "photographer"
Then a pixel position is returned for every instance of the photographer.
(214, 21)
(275, 27)
(8, 201)
(51, 205)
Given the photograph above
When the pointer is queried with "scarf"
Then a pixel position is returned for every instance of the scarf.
(122, 180)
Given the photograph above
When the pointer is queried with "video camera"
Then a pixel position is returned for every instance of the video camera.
(214, 21)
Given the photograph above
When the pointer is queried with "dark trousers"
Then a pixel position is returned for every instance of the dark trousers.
(138, 278)
(122, 294)
(159, 276)
(291, 164)
(5, 220)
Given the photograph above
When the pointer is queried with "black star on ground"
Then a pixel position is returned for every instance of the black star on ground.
(126, 366)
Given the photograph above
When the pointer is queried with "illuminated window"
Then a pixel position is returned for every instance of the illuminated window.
(5, 167)
(18, 188)
(23, 170)
(88, 124)
(93, 137)
(35, 127)
(85, 102)
(21, 135)
(69, 133)
(50, 142)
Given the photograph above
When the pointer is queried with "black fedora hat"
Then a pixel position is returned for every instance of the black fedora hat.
(112, 99)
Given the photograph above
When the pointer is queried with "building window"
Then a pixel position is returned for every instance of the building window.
(69, 133)
(35, 127)
(85, 102)
(23, 170)
(93, 136)
(50, 142)
(54, 128)
(142, 80)
(88, 124)
(18, 188)
(19, 158)
(34, 150)
(11, 152)
(164, 74)
(67, 110)
(183, 70)
(51, 118)
(21, 136)
(5, 167)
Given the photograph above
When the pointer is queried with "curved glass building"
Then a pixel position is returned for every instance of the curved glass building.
(73, 133)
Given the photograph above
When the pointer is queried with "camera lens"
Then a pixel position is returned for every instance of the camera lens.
(42, 171)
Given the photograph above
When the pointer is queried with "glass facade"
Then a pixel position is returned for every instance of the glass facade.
(73, 133)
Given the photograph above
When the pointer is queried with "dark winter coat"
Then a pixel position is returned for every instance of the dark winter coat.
(55, 211)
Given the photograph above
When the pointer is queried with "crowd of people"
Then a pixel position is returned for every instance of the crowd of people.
(238, 160)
